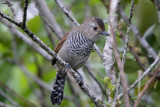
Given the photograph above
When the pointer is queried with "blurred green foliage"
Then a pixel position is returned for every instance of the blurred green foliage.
(144, 17)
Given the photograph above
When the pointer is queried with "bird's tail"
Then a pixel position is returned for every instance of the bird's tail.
(58, 87)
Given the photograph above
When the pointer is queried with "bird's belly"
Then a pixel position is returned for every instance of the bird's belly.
(78, 62)
(76, 59)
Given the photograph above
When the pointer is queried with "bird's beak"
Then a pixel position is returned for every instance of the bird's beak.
(104, 33)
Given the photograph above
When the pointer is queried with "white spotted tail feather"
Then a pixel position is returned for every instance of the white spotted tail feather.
(58, 87)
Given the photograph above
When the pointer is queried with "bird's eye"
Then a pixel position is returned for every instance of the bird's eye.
(95, 28)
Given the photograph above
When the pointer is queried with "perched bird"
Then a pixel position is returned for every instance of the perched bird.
(75, 48)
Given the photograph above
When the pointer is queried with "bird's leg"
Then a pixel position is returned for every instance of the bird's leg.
(80, 81)
(65, 69)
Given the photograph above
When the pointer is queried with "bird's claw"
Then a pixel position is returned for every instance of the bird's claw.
(80, 79)
(66, 67)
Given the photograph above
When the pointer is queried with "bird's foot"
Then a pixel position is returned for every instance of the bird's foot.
(65, 69)
(80, 79)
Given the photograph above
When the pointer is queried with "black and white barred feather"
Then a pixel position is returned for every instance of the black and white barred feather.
(58, 87)
(80, 44)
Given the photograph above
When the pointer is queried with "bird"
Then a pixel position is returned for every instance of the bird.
(75, 48)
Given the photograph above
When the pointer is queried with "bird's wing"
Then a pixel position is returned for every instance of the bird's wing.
(59, 46)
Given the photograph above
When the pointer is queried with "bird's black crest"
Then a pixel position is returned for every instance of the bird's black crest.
(100, 22)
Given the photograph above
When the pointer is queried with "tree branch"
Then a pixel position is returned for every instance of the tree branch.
(143, 75)
(146, 86)
(9, 99)
(113, 27)
(127, 33)
(65, 11)
(98, 51)
(131, 49)
(28, 41)
(142, 41)
(48, 18)
(4, 105)
(13, 93)
(9, 4)
(116, 94)
(25, 13)
(9, 19)
(108, 60)
(100, 86)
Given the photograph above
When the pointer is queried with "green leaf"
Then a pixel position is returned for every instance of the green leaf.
(35, 24)
(113, 90)
(107, 81)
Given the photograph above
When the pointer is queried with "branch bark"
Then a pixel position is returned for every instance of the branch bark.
(9, 99)
(146, 86)
(143, 42)
(143, 75)
(46, 13)
(127, 33)
(113, 18)
(25, 13)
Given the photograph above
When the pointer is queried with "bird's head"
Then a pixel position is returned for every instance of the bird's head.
(94, 28)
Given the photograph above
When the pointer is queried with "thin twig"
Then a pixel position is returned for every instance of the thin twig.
(100, 86)
(9, 19)
(95, 100)
(116, 94)
(131, 49)
(36, 79)
(143, 75)
(75, 94)
(139, 83)
(52, 29)
(143, 42)
(24, 69)
(125, 49)
(65, 11)
(137, 58)
(9, 4)
(25, 13)
(27, 40)
(127, 33)
(98, 51)
(9, 99)
(2, 104)
(50, 36)
(13, 93)
(48, 18)
(146, 86)
(42, 95)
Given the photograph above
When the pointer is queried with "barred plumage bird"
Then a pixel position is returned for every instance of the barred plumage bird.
(75, 48)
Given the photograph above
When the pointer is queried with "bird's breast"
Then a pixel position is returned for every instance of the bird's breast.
(77, 50)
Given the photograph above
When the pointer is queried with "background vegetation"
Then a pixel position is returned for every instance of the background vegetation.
(17, 88)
